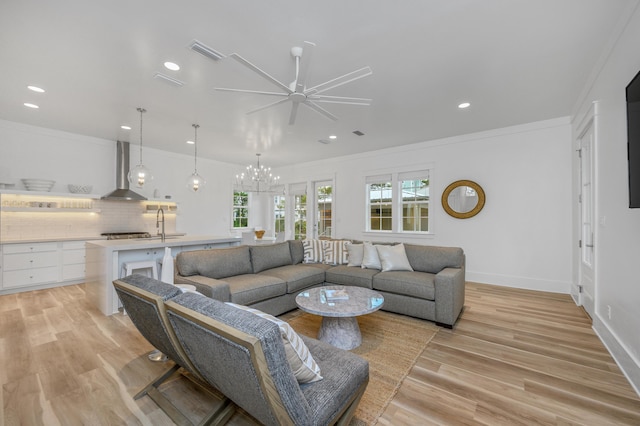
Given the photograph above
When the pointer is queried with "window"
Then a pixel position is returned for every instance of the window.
(398, 202)
(300, 213)
(324, 194)
(380, 204)
(415, 205)
(279, 213)
(240, 212)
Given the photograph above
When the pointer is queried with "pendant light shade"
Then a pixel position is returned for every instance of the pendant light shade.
(139, 176)
(195, 182)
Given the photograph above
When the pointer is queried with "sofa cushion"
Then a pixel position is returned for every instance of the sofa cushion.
(335, 252)
(370, 258)
(252, 288)
(298, 356)
(216, 263)
(355, 254)
(297, 251)
(393, 258)
(348, 275)
(297, 277)
(420, 285)
(434, 259)
(269, 256)
(312, 251)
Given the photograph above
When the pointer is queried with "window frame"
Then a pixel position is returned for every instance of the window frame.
(235, 207)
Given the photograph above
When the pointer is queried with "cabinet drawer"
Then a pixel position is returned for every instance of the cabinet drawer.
(23, 278)
(72, 257)
(73, 272)
(29, 248)
(18, 261)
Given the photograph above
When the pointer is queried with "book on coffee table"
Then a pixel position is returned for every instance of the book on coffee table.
(336, 295)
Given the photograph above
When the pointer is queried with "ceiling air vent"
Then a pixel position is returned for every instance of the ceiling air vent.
(205, 50)
(167, 79)
(358, 132)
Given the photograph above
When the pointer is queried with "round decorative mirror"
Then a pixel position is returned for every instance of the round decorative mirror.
(463, 199)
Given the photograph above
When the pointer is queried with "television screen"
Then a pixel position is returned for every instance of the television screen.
(633, 140)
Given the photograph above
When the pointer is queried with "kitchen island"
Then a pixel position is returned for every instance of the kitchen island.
(105, 259)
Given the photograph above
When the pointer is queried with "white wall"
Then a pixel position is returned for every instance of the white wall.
(522, 237)
(618, 239)
(34, 152)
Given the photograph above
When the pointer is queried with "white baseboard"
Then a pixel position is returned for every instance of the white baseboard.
(628, 364)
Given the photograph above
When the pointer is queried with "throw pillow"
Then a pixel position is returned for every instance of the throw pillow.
(312, 251)
(335, 252)
(370, 259)
(393, 258)
(355, 254)
(302, 363)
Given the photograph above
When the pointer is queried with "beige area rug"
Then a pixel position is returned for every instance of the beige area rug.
(391, 343)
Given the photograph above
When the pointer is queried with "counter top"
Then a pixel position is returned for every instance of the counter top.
(48, 240)
(154, 242)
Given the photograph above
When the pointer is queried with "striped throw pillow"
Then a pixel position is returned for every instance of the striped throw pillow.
(302, 363)
(312, 251)
(335, 252)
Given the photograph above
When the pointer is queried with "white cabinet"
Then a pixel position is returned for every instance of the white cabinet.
(29, 264)
(73, 260)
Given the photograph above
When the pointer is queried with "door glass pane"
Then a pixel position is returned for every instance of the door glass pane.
(324, 195)
(300, 213)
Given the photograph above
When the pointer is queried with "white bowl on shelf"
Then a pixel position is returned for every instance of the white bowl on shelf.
(80, 189)
(42, 185)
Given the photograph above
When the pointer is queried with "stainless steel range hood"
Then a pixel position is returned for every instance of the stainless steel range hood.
(122, 192)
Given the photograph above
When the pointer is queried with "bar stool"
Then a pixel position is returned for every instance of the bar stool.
(148, 265)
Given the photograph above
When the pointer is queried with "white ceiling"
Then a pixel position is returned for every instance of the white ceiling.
(515, 61)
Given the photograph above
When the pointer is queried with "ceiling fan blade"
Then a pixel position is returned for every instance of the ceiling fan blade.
(339, 81)
(281, 101)
(339, 100)
(260, 72)
(257, 92)
(294, 112)
(319, 109)
(305, 60)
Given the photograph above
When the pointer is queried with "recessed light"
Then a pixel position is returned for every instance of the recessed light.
(35, 89)
(191, 142)
(124, 127)
(464, 105)
(333, 137)
(171, 66)
(27, 104)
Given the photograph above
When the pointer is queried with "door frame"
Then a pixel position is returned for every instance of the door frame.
(587, 124)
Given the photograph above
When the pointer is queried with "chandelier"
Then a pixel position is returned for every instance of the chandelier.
(258, 179)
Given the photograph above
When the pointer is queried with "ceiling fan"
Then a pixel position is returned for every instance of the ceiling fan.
(297, 92)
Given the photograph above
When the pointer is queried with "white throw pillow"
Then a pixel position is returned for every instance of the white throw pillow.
(356, 253)
(393, 258)
(302, 363)
(370, 259)
(335, 252)
(312, 251)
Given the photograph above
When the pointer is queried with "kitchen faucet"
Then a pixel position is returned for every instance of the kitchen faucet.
(158, 223)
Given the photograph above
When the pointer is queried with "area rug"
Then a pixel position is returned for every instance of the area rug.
(391, 343)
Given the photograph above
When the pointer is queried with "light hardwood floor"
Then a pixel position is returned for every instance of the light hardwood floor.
(514, 357)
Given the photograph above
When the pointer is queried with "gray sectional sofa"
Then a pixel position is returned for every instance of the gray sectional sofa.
(269, 277)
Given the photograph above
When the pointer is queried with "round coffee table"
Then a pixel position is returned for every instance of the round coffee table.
(339, 306)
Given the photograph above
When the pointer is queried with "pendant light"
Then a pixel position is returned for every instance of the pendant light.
(140, 175)
(195, 181)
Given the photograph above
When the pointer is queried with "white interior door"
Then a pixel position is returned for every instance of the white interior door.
(586, 269)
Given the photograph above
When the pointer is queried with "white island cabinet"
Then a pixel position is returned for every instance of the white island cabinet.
(106, 257)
